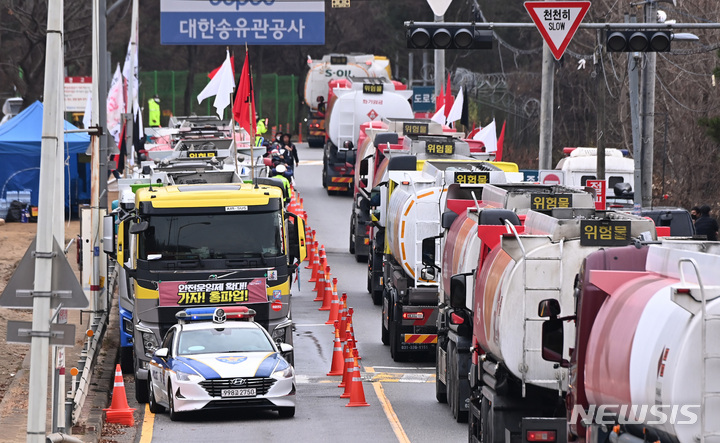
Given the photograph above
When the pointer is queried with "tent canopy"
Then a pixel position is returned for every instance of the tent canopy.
(22, 134)
(20, 149)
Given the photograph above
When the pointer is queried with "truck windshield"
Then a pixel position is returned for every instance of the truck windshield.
(224, 236)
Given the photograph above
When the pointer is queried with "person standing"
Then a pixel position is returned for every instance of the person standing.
(706, 225)
(260, 130)
(291, 154)
(154, 111)
(695, 213)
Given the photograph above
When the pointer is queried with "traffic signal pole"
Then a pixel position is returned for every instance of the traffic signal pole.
(546, 109)
(439, 63)
(648, 114)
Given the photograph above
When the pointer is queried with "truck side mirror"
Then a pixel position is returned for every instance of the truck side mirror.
(296, 237)
(552, 342)
(458, 290)
(108, 239)
(549, 308)
(428, 252)
(139, 227)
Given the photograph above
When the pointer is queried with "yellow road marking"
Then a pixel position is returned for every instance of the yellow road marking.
(146, 433)
(389, 412)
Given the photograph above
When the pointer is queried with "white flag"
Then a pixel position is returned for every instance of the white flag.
(130, 67)
(221, 86)
(115, 105)
(456, 110)
(488, 136)
(87, 117)
(439, 116)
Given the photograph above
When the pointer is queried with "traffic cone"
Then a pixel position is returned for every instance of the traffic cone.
(315, 262)
(316, 268)
(343, 314)
(334, 308)
(323, 257)
(338, 360)
(309, 241)
(119, 410)
(348, 368)
(351, 329)
(328, 295)
(323, 276)
(357, 392)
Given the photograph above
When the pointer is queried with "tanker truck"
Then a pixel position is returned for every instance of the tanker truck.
(508, 377)
(378, 141)
(363, 100)
(334, 67)
(645, 362)
(410, 212)
(471, 229)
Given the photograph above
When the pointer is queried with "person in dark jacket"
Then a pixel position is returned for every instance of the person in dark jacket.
(290, 151)
(706, 225)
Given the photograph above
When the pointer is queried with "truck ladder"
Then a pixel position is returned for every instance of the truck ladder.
(553, 289)
(707, 356)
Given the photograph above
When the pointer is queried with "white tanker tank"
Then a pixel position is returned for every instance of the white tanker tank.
(654, 345)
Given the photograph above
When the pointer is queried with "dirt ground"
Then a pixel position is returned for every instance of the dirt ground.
(14, 241)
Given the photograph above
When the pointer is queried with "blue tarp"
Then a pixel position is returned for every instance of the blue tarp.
(20, 146)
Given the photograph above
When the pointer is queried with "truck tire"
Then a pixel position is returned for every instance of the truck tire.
(126, 359)
(384, 333)
(453, 378)
(352, 232)
(141, 390)
(440, 388)
(395, 352)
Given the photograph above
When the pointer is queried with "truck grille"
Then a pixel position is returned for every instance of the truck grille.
(261, 384)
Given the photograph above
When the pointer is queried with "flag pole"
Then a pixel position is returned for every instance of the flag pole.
(232, 117)
(251, 117)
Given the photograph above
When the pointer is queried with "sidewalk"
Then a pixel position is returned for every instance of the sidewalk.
(14, 409)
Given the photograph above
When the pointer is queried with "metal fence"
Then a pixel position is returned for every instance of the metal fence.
(277, 97)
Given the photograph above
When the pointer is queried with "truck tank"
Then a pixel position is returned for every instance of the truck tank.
(645, 347)
(540, 264)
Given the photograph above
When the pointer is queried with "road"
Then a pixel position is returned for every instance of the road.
(401, 395)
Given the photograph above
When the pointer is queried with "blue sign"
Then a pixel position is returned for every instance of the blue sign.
(235, 22)
(423, 99)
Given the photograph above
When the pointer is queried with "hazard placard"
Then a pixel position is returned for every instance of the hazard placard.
(557, 22)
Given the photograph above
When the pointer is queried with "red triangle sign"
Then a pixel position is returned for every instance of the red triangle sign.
(557, 22)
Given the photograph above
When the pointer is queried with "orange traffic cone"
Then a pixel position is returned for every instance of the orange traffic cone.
(357, 392)
(351, 329)
(338, 364)
(343, 314)
(315, 265)
(119, 410)
(328, 295)
(334, 307)
(348, 368)
(323, 257)
(323, 276)
(309, 241)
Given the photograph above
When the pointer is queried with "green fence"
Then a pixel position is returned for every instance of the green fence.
(276, 99)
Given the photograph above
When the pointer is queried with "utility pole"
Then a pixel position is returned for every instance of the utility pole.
(634, 84)
(51, 146)
(439, 63)
(546, 109)
(102, 80)
(648, 112)
(600, 84)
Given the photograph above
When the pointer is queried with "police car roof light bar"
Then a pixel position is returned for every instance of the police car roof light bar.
(216, 315)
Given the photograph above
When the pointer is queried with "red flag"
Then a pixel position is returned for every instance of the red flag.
(244, 106)
(439, 100)
(215, 71)
(449, 100)
(501, 139)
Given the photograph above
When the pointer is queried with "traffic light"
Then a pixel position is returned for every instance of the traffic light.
(447, 36)
(639, 41)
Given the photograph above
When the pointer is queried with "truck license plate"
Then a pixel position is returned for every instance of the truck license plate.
(246, 392)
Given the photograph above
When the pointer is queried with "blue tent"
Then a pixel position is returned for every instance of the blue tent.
(20, 145)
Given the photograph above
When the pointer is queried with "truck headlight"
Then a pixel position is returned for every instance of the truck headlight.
(278, 335)
(150, 343)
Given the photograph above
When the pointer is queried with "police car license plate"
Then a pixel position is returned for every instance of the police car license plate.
(245, 392)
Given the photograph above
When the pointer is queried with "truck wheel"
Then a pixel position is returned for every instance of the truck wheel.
(395, 340)
(377, 297)
(141, 390)
(440, 388)
(352, 233)
(324, 176)
(453, 377)
(449, 379)
(384, 334)
(126, 359)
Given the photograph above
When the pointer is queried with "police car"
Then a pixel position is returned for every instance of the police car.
(206, 361)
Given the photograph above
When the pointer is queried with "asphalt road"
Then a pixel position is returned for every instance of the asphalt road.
(401, 395)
